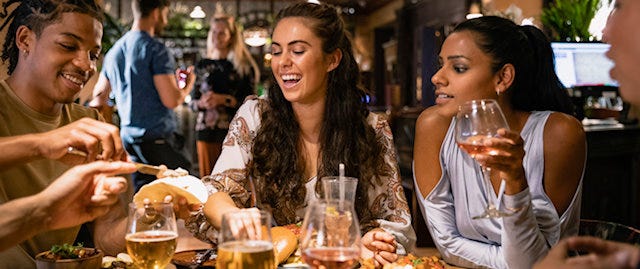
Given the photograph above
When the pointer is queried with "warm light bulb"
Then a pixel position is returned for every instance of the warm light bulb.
(197, 13)
(256, 36)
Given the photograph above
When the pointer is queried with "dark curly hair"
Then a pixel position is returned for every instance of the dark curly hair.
(345, 137)
(536, 85)
(38, 14)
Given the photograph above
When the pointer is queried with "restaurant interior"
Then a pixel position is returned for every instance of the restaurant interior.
(397, 42)
(396, 47)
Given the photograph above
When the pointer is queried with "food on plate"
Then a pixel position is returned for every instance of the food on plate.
(165, 172)
(66, 251)
(69, 256)
(295, 228)
(187, 186)
(121, 261)
(407, 262)
(285, 243)
(201, 258)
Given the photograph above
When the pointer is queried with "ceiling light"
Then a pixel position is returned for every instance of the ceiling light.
(197, 13)
(255, 36)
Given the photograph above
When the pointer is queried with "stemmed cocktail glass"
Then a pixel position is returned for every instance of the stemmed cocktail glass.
(476, 122)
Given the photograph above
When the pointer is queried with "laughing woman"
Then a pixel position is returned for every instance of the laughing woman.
(313, 120)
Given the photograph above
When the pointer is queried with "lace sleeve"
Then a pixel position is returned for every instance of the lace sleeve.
(229, 173)
(389, 204)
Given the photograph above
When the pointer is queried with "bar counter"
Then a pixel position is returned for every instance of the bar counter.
(610, 186)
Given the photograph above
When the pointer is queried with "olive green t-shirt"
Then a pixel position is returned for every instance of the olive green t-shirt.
(16, 118)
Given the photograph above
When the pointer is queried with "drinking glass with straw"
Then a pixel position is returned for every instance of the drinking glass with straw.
(340, 188)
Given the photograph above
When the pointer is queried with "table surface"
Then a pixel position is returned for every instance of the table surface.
(186, 241)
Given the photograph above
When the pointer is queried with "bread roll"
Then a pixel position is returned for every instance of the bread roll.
(285, 243)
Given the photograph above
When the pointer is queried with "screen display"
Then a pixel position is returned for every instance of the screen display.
(582, 64)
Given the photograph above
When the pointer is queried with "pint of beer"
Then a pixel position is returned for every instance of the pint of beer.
(151, 235)
(245, 241)
(151, 249)
(245, 255)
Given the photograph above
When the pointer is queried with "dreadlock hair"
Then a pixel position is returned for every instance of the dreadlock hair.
(38, 14)
(345, 135)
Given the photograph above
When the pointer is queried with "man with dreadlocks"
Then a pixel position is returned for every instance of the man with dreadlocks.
(52, 47)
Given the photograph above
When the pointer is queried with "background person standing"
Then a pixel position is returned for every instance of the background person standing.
(140, 71)
(226, 78)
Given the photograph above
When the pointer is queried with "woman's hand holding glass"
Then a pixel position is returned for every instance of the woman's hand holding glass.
(482, 131)
(506, 159)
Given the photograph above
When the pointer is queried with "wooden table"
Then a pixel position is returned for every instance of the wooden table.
(421, 252)
(187, 242)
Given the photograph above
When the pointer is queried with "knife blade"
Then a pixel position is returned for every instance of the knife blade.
(150, 169)
(141, 167)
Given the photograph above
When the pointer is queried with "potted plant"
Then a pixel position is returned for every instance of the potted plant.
(69, 257)
(569, 20)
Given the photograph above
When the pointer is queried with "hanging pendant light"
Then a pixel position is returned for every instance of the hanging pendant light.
(256, 36)
(197, 13)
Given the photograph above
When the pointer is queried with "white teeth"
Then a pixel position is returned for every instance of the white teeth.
(443, 96)
(73, 79)
(291, 77)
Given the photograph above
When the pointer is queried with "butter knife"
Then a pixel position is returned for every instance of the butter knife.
(142, 168)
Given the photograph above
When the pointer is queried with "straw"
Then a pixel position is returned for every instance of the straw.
(500, 193)
(341, 183)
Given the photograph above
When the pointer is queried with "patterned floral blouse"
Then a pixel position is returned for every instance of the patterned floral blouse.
(387, 200)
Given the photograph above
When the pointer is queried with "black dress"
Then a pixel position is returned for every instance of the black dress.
(220, 77)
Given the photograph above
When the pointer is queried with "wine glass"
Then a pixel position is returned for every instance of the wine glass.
(330, 235)
(151, 234)
(477, 121)
(245, 241)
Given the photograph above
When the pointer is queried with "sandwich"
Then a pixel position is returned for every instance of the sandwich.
(176, 185)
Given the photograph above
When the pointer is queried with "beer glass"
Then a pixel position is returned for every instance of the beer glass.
(245, 242)
(151, 234)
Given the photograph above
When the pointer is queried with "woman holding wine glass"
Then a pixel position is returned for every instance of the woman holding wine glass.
(313, 119)
(539, 154)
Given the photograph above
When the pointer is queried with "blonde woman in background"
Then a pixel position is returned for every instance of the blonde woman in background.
(225, 77)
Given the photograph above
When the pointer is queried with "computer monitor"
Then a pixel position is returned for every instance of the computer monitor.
(582, 64)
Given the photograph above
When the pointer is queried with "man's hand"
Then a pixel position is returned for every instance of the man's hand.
(601, 254)
(84, 193)
(101, 141)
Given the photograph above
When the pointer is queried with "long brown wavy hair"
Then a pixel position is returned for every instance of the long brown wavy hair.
(241, 58)
(345, 137)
